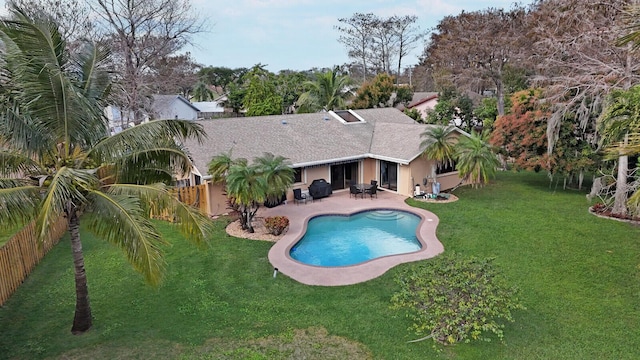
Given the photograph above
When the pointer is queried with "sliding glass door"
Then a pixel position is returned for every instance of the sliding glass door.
(343, 175)
(388, 175)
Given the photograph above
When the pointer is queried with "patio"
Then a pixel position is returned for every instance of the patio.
(341, 203)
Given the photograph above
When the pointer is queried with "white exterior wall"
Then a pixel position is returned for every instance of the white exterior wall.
(179, 110)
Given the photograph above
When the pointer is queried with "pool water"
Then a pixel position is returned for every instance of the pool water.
(335, 240)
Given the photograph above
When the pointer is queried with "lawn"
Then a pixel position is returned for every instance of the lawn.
(6, 233)
(579, 276)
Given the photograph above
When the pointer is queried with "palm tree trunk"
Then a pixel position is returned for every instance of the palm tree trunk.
(620, 197)
(82, 320)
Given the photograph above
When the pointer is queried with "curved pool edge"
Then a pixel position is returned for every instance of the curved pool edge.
(352, 274)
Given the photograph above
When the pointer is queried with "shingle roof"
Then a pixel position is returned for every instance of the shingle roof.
(421, 97)
(162, 103)
(311, 139)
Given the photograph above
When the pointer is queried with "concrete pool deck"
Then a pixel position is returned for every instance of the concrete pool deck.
(341, 203)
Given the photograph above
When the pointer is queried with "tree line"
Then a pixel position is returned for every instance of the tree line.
(552, 80)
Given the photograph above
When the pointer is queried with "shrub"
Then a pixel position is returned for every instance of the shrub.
(276, 224)
(452, 299)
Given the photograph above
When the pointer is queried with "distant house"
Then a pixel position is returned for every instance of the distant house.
(173, 107)
(118, 119)
(423, 102)
(343, 147)
(209, 109)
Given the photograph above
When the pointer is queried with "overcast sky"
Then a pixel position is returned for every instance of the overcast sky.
(300, 34)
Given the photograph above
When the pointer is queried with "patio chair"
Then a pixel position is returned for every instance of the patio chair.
(374, 183)
(298, 197)
(353, 190)
(373, 191)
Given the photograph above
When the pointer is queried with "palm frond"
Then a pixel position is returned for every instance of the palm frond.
(475, 158)
(18, 131)
(438, 144)
(49, 83)
(15, 163)
(219, 166)
(157, 198)
(146, 134)
(120, 220)
(245, 184)
(20, 202)
(630, 148)
(150, 163)
(64, 194)
(277, 172)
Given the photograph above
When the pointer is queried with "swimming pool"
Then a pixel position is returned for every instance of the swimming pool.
(338, 240)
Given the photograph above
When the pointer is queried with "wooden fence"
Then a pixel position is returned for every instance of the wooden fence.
(195, 196)
(22, 253)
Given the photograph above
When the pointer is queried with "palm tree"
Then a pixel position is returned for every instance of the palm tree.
(219, 167)
(202, 92)
(328, 92)
(249, 185)
(476, 160)
(438, 144)
(58, 160)
(620, 117)
(278, 175)
(630, 148)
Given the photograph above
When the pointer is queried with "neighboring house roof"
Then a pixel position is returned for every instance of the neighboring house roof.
(162, 104)
(421, 98)
(312, 139)
(208, 106)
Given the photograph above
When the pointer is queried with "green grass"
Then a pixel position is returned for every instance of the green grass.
(579, 276)
(6, 233)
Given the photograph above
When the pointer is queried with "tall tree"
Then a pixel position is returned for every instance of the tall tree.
(375, 93)
(620, 118)
(72, 16)
(142, 32)
(290, 85)
(375, 42)
(579, 62)
(407, 36)
(52, 129)
(329, 91)
(473, 49)
(261, 97)
(356, 37)
(221, 76)
(174, 74)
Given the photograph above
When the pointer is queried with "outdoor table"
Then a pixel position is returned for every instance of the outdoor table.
(363, 188)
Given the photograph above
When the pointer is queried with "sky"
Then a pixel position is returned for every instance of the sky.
(300, 34)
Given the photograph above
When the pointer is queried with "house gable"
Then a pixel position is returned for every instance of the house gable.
(173, 107)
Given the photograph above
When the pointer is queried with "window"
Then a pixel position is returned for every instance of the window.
(446, 168)
(297, 176)
(347, 117)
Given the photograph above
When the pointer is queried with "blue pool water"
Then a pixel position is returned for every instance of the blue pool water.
(335, 240)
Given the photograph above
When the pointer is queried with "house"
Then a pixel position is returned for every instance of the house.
(343, 147)
(209, 109)
(118, 119)
(423, 102)
(173, 107)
